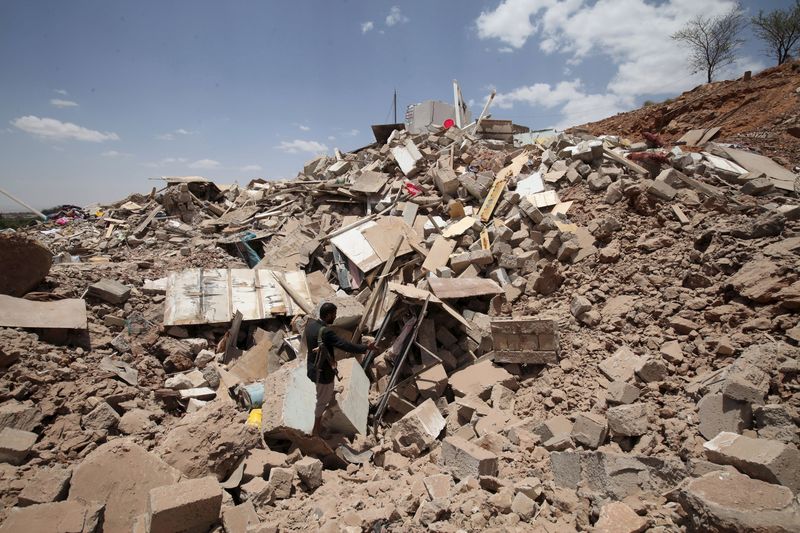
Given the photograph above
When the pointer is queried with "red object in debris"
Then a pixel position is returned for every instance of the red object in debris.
(654, 157)
(449, 123)
(412, 189)
(653, 139)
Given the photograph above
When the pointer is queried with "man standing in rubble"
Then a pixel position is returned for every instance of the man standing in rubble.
(321, 362)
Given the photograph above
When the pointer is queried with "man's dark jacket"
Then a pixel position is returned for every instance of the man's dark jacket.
(331, 340)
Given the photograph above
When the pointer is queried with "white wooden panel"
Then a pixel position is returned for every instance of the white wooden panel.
(216, 302)
(357, 248)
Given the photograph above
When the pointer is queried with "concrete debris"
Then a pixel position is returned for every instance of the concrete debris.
(725, 501)
(768, 460)
(579, 307)
(192, 505)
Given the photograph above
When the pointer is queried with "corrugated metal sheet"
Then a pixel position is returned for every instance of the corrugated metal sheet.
(211, 296)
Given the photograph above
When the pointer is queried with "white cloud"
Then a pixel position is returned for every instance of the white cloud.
(395, 17)
(353, 132)
(204, 164)
(505, 50)
(62, 92)
(367, 26)
(167, 161)
(331, 137)
(115, 153)
(297, 146)
(58, 102)
(303, 127)
(50, 128)
(633, 34)
(171, 136)
(251, 168)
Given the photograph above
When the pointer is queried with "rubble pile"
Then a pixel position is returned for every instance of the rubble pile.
(568, 338)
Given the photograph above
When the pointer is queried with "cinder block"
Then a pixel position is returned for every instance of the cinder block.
(192, 505)
(15, 445)
(462, 459)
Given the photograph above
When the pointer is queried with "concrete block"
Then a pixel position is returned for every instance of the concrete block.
(259, 463)
(432, 382)
(102, 417)
(557, 426)
(616, 517)
(350, 410)
(765, 459)
(309, 470)
(438, 486)
(462, 459)
(530, 211)
(725, 501)
(416, 431)
(192, 505)
(746, 382)
(478, 379)
(445, 181)
(407, 156)
(292, 399)
(280, 480)
(620, 392)
(651, 369)
(628, 420)
(237, 519)
(718, 413)
(47, 485)
(15, 445)
(110, 291)
(621, 366)
(590, 430)
(523, 506)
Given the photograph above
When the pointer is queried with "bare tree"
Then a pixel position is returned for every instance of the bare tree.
(780, 31)
(712, 41)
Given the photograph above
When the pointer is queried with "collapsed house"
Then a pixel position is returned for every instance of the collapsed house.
(578, 332)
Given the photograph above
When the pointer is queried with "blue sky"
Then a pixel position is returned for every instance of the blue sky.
(98, 96)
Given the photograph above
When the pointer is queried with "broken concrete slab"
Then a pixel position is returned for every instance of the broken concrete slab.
(462, 459)
(293, 397)
(69, 313)
(616, 475)
(350, 410)
(192, 505)
(765, 459)
(15, 445)
(309, 470)
(120, 475)
(417, 430)
(478, 379)
(19, 415)
(620, 392)
(238, 519)
(210, 441)
(719, 413)
(47, 485)
(725, 501)
(67, 517)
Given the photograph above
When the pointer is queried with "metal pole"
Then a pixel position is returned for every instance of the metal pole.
(23, 204)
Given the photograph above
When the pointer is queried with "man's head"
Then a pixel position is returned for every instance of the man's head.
(327, 312)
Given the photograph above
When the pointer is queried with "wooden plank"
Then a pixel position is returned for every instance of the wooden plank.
(183, 303)
(59, 314)
(216, 295)
(141, 228)
(453, 288)
(243, 294)
(623, 161)
(458, 228)
(342, 274)
(439, 253)
(413, 293)
(270, 293)
(485, 244)
(492, 197)
(681, 216)
(298, 288)
(384, 234)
